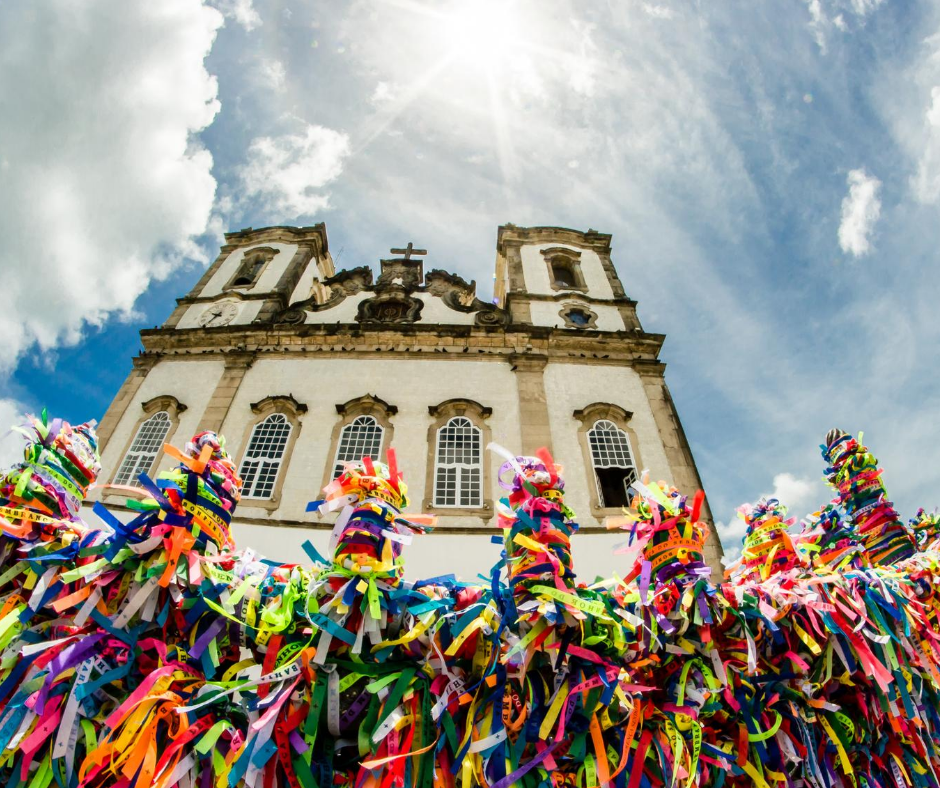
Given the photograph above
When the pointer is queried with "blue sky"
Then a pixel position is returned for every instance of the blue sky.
(770, 173)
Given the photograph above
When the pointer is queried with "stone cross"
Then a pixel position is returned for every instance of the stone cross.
(408, 251)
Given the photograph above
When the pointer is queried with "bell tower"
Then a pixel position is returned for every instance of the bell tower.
(561, 278)
(254, 278)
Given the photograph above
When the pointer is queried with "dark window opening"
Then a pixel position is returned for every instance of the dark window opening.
(563, 274)
(578, 317)
(613, 484)
(251, 270)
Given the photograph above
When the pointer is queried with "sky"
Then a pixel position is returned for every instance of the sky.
(770, 173)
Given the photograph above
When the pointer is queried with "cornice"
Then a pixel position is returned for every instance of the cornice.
(367, 401)
(225, 295)
(452, 342)
(569, 294)
(272, 403)
(238, 336)
(283, 233)
(511, 235)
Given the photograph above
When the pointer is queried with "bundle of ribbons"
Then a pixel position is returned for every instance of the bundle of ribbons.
(141, 649)
(855, 474)
(768, 546)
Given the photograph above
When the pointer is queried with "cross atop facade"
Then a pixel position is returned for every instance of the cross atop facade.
(408, 251)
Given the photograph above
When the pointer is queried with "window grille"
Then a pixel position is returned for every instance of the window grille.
(262, 460)
(612, 458)
(458, 476)
(360, 438)
(144, 449)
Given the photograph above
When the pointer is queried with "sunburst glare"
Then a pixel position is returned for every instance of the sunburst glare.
(480, 32)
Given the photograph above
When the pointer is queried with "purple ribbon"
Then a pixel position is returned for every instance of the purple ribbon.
(509, 779)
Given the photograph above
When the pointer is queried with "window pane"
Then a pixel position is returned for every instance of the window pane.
(613, 462)
(144, 449)
(458, 479)
(361, 438)
(470, 487)
(446, 487)
(263, 457)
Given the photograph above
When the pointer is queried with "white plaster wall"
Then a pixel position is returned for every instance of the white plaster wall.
(344, 312)
(247, 312)
(192, 383)
(305, 283)
(269, 276)
(411, 385)
(535, 270)
(570, 387)
(546, 313)
(436, 311)
(436, 553)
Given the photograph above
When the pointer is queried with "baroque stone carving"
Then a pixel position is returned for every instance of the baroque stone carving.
(293, 317)
(450, 287)
(491, 315)
(351, 281)
(390, 308)
(340, 286)
(393, 300)
(404, 273)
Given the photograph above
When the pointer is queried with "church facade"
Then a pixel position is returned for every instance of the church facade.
(302, 367)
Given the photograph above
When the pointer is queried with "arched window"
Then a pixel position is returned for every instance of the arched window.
(613, 463)
(364, 429)
(360, 438)
(250, 272)
(251, 267)
(262, 460)
(564, 268)
(458, 468)
(144, 449)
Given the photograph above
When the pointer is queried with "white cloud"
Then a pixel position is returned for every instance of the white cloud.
(926, 182)
(801, 496)
(11, 443)
(820, 22)
(242, 11)
(657, 11)
(731, 536)
(104, 188)
(861, 210)
(273, 74)
(383, 93)
(583, 66)
(289, 172)
(865, 7)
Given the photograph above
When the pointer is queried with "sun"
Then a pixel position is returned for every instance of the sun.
(477, 46)
(480, 32)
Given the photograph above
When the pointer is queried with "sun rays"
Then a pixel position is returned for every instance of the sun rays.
(476, 40)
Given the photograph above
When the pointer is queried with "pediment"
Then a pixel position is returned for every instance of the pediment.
(396, 297)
